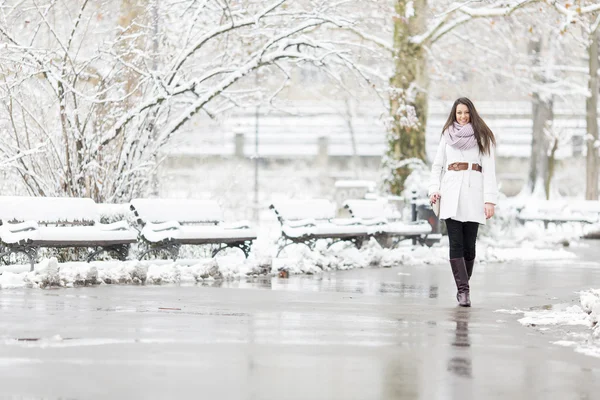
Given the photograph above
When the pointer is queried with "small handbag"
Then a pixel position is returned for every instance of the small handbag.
(436, 207)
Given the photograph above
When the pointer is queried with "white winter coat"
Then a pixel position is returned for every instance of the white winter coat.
(463, 193)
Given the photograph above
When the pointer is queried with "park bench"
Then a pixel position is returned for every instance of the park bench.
(385, 224)
(29, 223)
(307, 221)
(561, 211)
(167, 224)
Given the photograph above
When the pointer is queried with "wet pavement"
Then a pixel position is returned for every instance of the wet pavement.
(362, 334)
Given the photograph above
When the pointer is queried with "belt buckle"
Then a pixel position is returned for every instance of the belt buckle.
(455, 166)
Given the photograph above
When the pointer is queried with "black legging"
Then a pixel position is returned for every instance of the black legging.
(462, 236)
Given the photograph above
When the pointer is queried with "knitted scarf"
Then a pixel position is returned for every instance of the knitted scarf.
(461, 137)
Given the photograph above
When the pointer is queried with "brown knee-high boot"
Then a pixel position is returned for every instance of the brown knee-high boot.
(459, 269)
(469, 265)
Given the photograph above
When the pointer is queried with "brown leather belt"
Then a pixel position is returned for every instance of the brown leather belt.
(463, 166)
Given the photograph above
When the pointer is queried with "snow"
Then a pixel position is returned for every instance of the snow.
(180, 210)
(315, 217)
(416, 228)
(592, 231)
(296, 259)
(305, 209)
(354, 227)
(52, 209)
(113, 212)
(369, 185)
(586, 314)
(410, 10)
(371, 209)
(192, 233)
(186, 233)
(572, 315)
(118, 232)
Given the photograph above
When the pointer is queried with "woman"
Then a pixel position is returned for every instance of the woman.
(468, 189)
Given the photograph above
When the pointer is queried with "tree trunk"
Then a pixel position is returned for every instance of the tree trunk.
(551, 166)
(408, 100)
(543, 115)
(350, 123)
(591, 104)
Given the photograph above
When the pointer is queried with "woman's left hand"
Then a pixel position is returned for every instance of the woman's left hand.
(489, 210)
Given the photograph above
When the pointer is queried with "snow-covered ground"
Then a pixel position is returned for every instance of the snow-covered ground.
(586, 314)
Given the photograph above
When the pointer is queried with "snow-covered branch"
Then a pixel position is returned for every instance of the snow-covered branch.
(451, 20)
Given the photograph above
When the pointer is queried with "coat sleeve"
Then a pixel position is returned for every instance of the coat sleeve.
(437, 168)
(490, 186)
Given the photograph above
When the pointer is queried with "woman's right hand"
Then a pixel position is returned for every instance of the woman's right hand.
(434, 197)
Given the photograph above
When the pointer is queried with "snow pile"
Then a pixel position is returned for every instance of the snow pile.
(586, 314)
(590, 302)
(296, 259)
(529, 251)
(592, 231)
(51, 273)
(572, 315)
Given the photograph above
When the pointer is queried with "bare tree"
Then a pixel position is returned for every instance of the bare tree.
(88, 86)
(585, 15)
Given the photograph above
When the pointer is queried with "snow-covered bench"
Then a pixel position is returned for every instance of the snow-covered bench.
(384, 221)
(169, 223)
(306, 221)
(561, 211)
(28, 223)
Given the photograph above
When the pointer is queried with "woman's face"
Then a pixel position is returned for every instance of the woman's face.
(462, 114)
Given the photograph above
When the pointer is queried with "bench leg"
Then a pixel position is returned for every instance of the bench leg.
(420, 239)
(310, 243)
(399, 239)
(243, 246)
(120, 249)
(356, 241)
(423, 240)
(171, 247)
(29, 251)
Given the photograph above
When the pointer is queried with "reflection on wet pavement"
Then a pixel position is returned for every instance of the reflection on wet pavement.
(461, 364)
(317, 283)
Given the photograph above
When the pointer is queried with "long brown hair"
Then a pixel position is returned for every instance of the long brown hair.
(483, 134)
